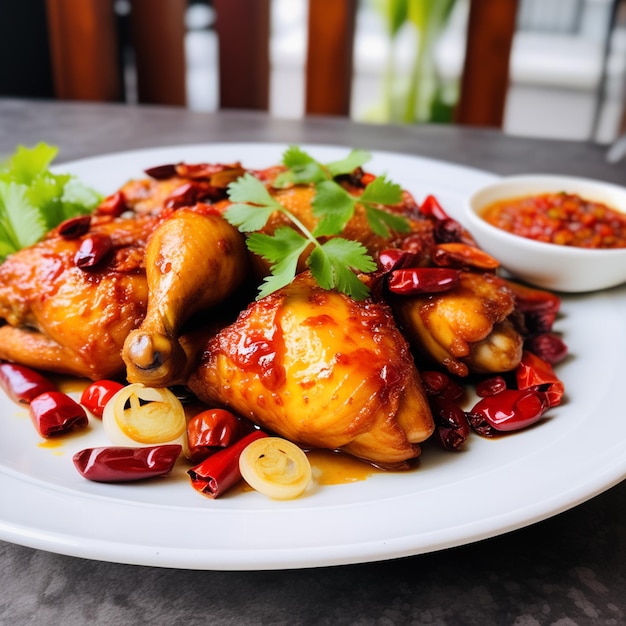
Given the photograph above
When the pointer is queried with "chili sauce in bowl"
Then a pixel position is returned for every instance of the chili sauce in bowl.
(556, 232)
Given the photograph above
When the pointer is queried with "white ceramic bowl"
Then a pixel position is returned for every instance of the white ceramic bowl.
(547, 265)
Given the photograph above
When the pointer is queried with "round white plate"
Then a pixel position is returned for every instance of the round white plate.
(492, 487)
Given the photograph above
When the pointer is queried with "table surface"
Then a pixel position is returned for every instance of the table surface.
(567, 570)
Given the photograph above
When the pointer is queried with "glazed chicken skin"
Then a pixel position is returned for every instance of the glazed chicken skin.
(69, 319)
(467, 329)
(322, 370)
(194, 261)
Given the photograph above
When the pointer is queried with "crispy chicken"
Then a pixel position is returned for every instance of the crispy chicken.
(467, 329)
(322, 370)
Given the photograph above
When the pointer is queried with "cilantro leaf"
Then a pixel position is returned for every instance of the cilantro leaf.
(335, 263)
(283, 249)
(334, 205)
(22, 222)
(27, 163)
(253, 204)
(381, 221)
(34, 200)
(382, 191)
(356, 158)
(302, 169)
(332, 266)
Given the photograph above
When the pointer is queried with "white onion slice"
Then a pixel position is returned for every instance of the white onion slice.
(145, 416)
(275, 467)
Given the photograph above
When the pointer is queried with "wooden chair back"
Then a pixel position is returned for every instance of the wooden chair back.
(86, 64)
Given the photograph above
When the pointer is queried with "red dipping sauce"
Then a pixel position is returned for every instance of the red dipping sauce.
(561, 218)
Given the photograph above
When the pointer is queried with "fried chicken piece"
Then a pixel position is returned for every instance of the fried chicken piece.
(467, 329)
(194, 260)
(321, 370)
(61, 318)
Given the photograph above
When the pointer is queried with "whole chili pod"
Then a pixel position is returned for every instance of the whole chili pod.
(74, 227)
(97, 394)
(431, 208)
(93, 251)
(491, 386)
(451, 425)
(55, 413)
(219, 472)
(113, 205)
(22, 384)
(396, 258)
(422, 280)
(122, 464)
(535, 373)
(511, 409)
(211, 430)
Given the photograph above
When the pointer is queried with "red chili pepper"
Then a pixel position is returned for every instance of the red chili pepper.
(490, 386)
(440, 384)
(218, 473)
(421, 280)
(460, 255)
(547, 346)
(451, 425)
(55, 413)
(121, 464)
(539, 307)
(97, 394)
(162, 172)
(395, 258)
(74, 227)
(535, 373)
(113, 205)
(431, 208)
(22, 384)
(212, 430)
(511, 409)
(93, 251)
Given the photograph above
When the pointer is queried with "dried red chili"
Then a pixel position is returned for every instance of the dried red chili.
(219, 472)
(535, 373)
(431, 208)
(420, 280)
(97, 394)
(74, 227)
(451, 425)
(511, 409)
(94, 250)
(113, 205)
(396, 258)
(212, 430)
(55, 413)
(121, 464)
(560, 218)
(22, 384)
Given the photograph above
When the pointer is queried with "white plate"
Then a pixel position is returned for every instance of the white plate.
(494, 486)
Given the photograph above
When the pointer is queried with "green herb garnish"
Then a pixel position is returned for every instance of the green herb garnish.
(33, 200)
(334, 262)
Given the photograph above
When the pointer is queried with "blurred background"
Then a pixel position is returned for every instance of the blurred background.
(567, 69)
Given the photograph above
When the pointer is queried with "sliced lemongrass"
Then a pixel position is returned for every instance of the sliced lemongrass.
(144, 416)
(275, 467)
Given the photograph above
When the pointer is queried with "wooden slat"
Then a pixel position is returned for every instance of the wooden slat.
(329, 63)
(83, 44)
(158, 38)
(243, 28)
(485, 78)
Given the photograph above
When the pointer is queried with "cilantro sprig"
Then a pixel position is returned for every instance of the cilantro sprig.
(335, 261)
(33, 199)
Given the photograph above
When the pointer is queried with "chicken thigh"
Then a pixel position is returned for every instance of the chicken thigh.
(322, 370)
